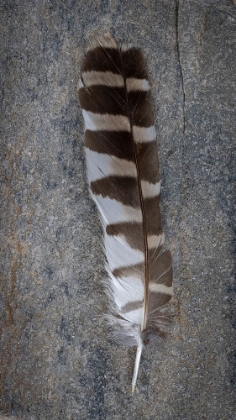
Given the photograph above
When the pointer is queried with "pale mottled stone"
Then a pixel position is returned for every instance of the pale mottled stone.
(57, 362)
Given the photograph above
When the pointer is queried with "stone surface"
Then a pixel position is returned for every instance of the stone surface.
(56, 360)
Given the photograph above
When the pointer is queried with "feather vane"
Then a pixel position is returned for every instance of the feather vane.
(123, 176)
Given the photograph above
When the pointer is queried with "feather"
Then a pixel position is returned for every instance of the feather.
(123, 176)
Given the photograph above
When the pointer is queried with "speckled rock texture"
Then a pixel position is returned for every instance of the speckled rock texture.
(56, 360)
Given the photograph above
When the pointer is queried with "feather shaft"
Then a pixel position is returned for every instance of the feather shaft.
(136, 365)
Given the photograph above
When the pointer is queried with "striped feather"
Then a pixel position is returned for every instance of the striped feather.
(123, 175)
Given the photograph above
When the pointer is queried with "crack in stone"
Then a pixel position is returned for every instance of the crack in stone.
(179, 61)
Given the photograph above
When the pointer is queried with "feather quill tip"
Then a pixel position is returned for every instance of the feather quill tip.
(136, 365)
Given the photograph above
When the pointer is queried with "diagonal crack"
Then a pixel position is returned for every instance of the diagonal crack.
(179, 60)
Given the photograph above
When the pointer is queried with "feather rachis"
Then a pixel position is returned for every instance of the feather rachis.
(122, 167)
